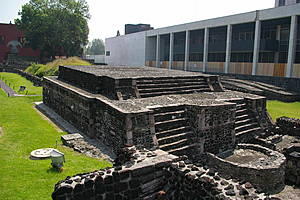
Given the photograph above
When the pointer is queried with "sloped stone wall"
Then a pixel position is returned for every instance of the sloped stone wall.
(97, 118)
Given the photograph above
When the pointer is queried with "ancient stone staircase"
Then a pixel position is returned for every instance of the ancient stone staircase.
(151, 87)
(259, 88)
(172, 130)
(246, 125)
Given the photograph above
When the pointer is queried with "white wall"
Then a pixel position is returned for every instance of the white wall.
(126, 50)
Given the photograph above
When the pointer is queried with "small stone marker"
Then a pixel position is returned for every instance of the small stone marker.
(68, 137)
(22, 88)
(41, 153)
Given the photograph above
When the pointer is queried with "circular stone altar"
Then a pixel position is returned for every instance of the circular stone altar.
(261, 166)
(41, 153)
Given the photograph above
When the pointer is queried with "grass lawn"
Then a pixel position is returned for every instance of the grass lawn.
(25, 130)
(278, 109)
(15, 81)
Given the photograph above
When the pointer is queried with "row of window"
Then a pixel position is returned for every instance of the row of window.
(267, 34)
(264, 57)
(283, 2)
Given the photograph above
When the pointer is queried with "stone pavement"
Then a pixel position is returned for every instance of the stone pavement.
(10, 92)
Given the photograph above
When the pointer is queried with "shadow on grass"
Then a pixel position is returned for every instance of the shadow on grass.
(53, 170)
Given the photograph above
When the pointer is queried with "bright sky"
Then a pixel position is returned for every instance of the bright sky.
(108, 16)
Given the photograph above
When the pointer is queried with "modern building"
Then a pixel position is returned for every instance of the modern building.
(13, 44)
(285, 2)
(134, 28)
(264, 42)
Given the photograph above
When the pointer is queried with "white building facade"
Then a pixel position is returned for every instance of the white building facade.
(265, 42)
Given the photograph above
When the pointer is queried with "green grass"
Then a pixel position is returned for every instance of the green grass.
(15, 81)
(51, 68)
(24, 130)
(279, 109)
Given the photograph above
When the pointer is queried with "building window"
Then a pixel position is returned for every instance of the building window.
(2, 38)
(107, 53)
(281, 2)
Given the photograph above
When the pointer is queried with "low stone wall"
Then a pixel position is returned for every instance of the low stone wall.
(292, 171)
(267, 175)
(37, 81)
(140, 178)
(289, 126)
(151, 175)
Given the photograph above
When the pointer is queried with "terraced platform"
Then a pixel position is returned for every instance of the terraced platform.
(272, 92)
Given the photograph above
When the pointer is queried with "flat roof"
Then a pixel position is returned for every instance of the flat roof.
(123, 72)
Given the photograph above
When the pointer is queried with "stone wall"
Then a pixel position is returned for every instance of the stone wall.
(288, 126)
(112, 88)
(89, 82)
(140, 178)
(292, 171)
(213, 126)
(149, 175)
(76, 109)
(98, 118)
(266, 177)
(258, 108)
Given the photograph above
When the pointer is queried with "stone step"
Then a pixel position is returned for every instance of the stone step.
(241, 112)
(178, 88)
(243, 122)
(241, 106)
(167, 109)
(174, 145)
(242, 117)
(174, 131)
(168, 115)
(251, 132)
(170, 80)
(170, 124)
(153, 94)
(244, 127)
(173, 138)
(182, 150)
(159, 85)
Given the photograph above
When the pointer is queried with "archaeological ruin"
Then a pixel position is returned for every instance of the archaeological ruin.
(177, 135)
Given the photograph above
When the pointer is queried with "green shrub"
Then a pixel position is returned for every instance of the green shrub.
(51, 68)
(33, 68)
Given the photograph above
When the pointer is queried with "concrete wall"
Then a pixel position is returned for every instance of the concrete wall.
(126, 49)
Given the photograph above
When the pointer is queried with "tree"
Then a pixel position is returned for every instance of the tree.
(56, 27)
(96, 47)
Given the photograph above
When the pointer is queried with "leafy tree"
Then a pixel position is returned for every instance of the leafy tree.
(96, 47)
(56, 27)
